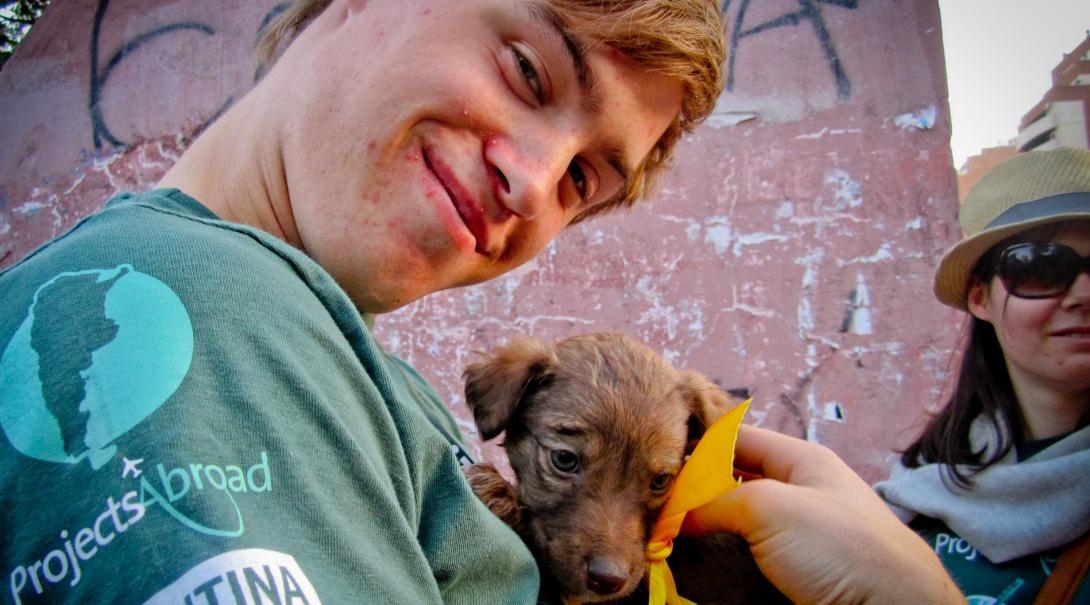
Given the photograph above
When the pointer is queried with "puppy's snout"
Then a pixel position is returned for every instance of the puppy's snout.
(605, 577)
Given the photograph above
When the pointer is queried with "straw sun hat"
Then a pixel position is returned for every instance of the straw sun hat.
(1026, 191)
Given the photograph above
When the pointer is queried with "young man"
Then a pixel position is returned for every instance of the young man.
(193, 406)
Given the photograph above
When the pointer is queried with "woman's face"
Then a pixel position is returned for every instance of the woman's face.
(1046, 341)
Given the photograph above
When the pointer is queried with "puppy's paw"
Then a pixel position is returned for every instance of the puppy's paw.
(495, 492)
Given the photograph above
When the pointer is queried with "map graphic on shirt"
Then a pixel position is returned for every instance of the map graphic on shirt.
(98, 352)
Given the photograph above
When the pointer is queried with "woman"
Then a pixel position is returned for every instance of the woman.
(999, 481)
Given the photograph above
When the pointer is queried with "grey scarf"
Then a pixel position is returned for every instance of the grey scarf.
(1012, 508)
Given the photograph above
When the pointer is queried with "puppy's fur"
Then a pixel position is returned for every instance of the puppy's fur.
(597, 427)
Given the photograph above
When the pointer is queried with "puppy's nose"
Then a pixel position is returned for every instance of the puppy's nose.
(604, 577)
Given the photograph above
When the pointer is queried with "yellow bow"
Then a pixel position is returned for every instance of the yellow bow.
(707, 475)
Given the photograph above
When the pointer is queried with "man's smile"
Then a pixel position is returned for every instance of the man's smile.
(464, 204)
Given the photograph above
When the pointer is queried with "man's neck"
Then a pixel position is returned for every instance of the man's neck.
(235, 169)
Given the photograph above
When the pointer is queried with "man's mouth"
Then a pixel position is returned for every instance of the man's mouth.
(470, 212)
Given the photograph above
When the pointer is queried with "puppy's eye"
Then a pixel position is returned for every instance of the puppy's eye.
(661, 482)
(564, 461)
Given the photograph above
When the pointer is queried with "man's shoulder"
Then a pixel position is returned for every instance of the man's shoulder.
(167, 237)
(152, 280)
(170, 224)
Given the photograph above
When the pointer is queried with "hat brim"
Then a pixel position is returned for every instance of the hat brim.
(952, 276)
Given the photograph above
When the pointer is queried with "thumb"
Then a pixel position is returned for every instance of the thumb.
(727, 513)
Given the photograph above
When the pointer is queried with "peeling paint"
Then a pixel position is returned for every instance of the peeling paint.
(832, 412)
(753, 239)
(810, 261)
(692, 227)
(921, 119)
(718, 233)
(883, 254)
(812, 135)
(30, 208)
(805, 317)
(814, 415)
(846, 192)
(720, 119)
(858, 320)
(744, 308)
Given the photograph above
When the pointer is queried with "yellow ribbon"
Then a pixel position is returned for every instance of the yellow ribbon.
(707, 475)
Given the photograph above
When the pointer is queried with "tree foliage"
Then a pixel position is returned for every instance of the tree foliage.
(16, 17)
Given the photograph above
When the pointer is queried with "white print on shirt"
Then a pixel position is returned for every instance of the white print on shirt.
(240, 577)
(99, 351)
(1003, 597)
(63, 562)
(163, 486)
(954, 545)
(131, 467)
(195, 479)
(1009, 591)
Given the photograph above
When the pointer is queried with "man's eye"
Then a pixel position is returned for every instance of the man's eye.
(530, 75)
(579, 179)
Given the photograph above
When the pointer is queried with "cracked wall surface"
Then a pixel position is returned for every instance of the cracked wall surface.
(789, 250)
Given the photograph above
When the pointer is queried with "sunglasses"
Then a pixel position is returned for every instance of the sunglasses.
(1040, 269)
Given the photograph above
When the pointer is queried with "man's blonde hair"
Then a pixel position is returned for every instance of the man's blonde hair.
(682, 39)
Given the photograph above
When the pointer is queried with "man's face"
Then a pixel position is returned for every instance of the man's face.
(442, 143)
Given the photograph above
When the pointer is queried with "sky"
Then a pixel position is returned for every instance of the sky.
(999, 59)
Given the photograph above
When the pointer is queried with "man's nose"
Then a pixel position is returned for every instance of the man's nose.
(527, 169)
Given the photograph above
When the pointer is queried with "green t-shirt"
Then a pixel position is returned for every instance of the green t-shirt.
(983, 582)
(194, 413)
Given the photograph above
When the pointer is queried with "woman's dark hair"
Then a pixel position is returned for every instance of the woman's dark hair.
(983, 389)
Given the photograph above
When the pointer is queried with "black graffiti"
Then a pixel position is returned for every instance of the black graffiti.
(809, 12)
(101, 133)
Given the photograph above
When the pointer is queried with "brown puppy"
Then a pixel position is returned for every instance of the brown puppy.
(597, 428)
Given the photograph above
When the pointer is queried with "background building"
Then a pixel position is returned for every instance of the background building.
(1062, 117)
(978, 165)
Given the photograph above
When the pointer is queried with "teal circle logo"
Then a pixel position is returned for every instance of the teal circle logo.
(98, 352)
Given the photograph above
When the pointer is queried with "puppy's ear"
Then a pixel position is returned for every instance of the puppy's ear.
(495, 387)
(707, 402)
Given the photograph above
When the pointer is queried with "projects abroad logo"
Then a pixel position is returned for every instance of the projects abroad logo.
(170, 488)
(99, 351)
(167, 487)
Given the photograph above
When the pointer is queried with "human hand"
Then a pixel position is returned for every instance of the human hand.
(817, 530)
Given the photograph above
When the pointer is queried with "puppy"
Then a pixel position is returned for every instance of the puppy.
(597, 428)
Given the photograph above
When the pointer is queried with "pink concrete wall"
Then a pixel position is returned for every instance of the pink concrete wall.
(789, 251)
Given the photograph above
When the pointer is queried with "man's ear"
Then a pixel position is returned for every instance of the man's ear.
(977, 300)
(707, 402)
(496, 386)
